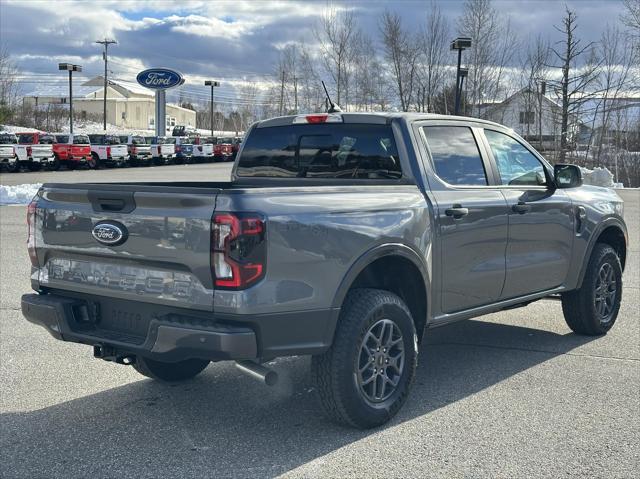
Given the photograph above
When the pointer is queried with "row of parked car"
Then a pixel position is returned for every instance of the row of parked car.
(36, 150)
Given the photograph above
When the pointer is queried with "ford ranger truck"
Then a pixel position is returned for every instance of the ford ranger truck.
(106, 150)
(163, 150)
(342, 236)
(203, 149)
(71, 150)
(139, 149)
(8, 157)
(223, 149)
(35, 150)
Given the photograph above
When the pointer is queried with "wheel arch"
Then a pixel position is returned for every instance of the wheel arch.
(393, 267)
(612, 232)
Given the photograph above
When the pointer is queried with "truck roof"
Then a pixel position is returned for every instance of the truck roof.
(375, 118)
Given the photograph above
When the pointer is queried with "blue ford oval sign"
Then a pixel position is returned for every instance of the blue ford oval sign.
(111, 233)
(159, 78)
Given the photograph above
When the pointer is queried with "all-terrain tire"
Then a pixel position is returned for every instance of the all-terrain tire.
(580, 307)
(169, 372)
(335, 372)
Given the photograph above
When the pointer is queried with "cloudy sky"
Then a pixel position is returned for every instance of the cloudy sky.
(229, 41)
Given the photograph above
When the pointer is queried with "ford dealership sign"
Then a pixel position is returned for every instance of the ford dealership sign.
(159, 78)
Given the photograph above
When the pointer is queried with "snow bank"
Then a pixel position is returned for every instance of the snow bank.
(18, 194)
(598, 177)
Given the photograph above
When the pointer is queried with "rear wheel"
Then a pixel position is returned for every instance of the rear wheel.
(93, 162)
(365, 377)
(55, 164)
(169, 372)
(593, 309)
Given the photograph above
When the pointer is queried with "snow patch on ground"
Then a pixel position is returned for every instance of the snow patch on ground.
(18, 194)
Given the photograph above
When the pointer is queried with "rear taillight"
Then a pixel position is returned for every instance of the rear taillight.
(134, 150)
(238, 249)
(29, 150)
(31, 232)
(108, 151)
(178, 149)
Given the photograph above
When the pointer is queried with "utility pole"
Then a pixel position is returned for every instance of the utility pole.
(212, 84)
(106, 44)
(282, 95)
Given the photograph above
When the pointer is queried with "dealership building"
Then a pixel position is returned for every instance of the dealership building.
(129, 105)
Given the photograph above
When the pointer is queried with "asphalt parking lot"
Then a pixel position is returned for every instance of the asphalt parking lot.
(512, 394)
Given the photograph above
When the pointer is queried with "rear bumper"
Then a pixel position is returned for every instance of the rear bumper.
(46, 159)
(170, 337)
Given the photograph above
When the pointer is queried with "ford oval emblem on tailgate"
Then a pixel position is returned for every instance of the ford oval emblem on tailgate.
(110, 233)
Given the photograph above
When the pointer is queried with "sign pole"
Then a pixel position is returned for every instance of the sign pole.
(161, 113)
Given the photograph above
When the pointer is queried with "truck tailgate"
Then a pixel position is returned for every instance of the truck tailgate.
(163, 256)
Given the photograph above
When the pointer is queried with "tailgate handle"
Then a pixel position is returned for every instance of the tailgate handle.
(111, 204)
(121, 202)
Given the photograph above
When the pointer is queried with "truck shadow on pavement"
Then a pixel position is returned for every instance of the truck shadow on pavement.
(224, 424)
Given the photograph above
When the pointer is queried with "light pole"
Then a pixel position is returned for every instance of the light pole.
(464, 72)
(106, 44)
(460, 43)
(212, 84)
(70, 67)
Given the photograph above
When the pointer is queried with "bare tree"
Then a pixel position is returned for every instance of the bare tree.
(434, 38)
(534, 71)
(337, 35)
(574, 82)
(631, 17)
(613, 79)
(8, 86)
(401, 52)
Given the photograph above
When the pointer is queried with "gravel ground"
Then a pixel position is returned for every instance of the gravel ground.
(512, 394)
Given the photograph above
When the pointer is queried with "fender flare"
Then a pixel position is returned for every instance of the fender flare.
(612, 221)
(371, 255)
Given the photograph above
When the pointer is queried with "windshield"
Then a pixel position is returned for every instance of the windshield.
(47, 140)
(138, 140)
(187, 141)
(150, 140)
(224, 141)
(167, 141)
(62, 139)
(124, 139)
(8, 139)
(355, 151)
(112, 140)
(80, 140)
(210, 140)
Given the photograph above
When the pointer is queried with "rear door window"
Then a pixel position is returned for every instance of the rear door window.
(80, 140)
(455, 154)
(349, 151)
(62, 139)
(47, 140)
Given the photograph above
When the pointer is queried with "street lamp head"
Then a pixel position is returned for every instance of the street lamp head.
(211, 83)
(461, 43)
(464, 72)
(69, 67)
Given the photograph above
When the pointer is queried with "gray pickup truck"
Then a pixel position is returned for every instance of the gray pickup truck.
(341, 236)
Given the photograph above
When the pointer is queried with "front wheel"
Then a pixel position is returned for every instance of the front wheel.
(593, 309)
(365, 377)
(169, 372)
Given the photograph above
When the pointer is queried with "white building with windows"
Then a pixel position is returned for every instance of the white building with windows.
(129, 105)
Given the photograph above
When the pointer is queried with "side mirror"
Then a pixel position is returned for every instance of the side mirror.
(567, 176)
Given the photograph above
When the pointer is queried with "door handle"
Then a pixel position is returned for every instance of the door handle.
(457, 211)
(521, 207)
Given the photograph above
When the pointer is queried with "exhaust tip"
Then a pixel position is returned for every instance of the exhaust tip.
(258, 371)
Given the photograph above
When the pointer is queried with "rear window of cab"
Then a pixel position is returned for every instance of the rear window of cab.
(338, 151)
